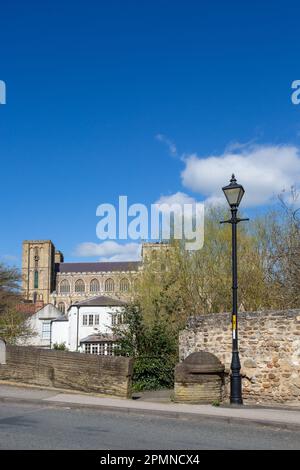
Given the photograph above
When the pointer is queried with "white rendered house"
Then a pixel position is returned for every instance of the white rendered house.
(40, 324)
(87, 325)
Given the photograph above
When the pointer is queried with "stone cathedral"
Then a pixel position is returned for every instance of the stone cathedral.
(46, 278)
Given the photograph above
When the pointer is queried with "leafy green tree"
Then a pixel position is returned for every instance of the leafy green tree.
(153, 347)
(199, 282)
(278, 233)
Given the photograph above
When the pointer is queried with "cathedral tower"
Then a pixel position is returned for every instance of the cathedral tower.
(151, 250)
(38, 274)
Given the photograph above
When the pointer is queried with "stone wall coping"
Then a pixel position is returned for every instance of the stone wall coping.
(109, 375)
(196, 320)
(68, 354)
(201, 368)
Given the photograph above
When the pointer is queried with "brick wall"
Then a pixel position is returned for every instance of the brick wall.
(269, 351)
(70, 370)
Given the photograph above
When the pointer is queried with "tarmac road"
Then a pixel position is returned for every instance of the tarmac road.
(35, 426)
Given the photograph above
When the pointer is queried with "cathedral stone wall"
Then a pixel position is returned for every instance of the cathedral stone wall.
(44, 272)
(120, 280)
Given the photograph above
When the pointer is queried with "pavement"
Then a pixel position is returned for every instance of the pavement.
(282, 418)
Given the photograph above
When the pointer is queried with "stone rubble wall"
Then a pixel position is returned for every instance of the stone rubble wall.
(269, 344)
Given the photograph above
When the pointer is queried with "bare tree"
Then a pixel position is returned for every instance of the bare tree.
(13, 324)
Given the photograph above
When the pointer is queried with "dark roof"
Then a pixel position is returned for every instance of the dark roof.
(97, 267)
(97, 338)
(61, 318)
(101, 301)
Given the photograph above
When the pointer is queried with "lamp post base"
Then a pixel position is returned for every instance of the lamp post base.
(236, 380)
(236, 390)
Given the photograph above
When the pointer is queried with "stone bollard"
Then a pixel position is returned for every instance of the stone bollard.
(2, 351)
(199, 379)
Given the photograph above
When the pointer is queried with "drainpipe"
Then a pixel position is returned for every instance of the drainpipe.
(77, 335)
(51, 334)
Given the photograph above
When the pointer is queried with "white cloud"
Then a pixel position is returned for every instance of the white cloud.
(264, 171)
(168, 142)
(109, 251)
(176, 198)
(187, 218)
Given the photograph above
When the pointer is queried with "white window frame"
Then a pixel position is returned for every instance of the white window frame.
(101, 349)
(46, 332)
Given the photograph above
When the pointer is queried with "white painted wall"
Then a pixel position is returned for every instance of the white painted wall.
(67, 331)
(36, 322)
(60, 332)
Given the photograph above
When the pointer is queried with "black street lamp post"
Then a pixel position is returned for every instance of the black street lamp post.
(234, 193)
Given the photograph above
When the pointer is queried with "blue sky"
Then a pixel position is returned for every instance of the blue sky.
(90, 86)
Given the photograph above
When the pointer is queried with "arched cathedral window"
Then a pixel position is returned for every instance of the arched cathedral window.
(94, 285)
(36, 257)
(64, 287)
(61, 307)
(79, 286)
(124, 285)
(109, 285)
(36, 280)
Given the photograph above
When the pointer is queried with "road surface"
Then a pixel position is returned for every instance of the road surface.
(34, 426)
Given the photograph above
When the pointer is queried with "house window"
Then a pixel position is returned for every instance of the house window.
(36, 280)
(110, 349)
(46, 329)
(61, 307)
(94, 285)
(109, 285)
(102, 348)
(79, 286)
(124, 285)
(117, 319)
(90, 319)
(64, 287)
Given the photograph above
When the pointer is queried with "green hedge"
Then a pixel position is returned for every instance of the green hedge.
(153, 373)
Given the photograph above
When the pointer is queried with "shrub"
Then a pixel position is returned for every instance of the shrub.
(152, 373)
(60, 346)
